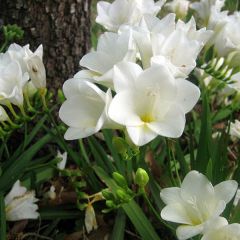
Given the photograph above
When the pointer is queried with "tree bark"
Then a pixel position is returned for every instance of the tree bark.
(62, 26)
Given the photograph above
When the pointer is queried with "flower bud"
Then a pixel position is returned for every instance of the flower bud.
(107, 194)
(110, 204)
(120, 180)
(123, 196)
(141, 177)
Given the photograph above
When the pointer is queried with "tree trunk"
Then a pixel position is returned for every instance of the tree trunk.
(62, 26)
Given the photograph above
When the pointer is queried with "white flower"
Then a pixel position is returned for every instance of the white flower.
(20, 204)
(90, 219)
(150, 102)
(30, 62)
(227, 40)
(125, 12)
(12, 80)
(111, 49)
(235, 130)
(196, 203)
(223, 232)
(3, 114)
(203, 9)
(164, 42)
(180, 7)
(85, 108)
(61, 165)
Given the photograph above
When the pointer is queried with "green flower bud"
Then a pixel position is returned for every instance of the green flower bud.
(141, 177)
(107, 194)
(110, 204)
(120, 180)
(123, 196)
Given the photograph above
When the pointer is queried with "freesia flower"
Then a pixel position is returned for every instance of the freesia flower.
(20, 204)
(196, 203)
(30, 62)
(204, 7)
(12, 80)
(223, 232)
(180, 7)
(227, 40)
(85, 109)
(235, 130)
(164, 42)
(150, 102)
(111, 49)
(131, 12)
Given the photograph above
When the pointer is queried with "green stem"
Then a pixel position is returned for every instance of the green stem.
(10, 107)
(156, 214)
(23, 112)
(29, 105)
(3, 228)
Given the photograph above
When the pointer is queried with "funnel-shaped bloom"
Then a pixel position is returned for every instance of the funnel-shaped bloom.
(20, 204)
(196, 203)
(151, 102)
(111, 49)
(85, 108)
(125, 12)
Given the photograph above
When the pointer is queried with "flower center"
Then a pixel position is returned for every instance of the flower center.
(147, 118)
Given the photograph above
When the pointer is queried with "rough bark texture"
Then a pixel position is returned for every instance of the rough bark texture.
(62, 26)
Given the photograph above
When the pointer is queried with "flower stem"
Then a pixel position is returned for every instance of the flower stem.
(10, 107)
(156, 214)
(2, 218)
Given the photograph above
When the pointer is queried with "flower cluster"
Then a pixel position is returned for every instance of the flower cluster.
(18, 65)
(197, 205)
(136, 80)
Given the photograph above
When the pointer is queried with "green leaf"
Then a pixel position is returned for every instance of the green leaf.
(3, 234)
(119, 226)
(204, 145)
(17, 167)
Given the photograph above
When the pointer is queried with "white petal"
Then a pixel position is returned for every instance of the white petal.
(187, 94)
(98, 62)
(77, 133)
(186, 232)
(171, 124)
(124, 108)
(171, 195)
(226, 190)
(196, 184)
(141, 135)
(175, 213)
(125, 75)
(16, 191)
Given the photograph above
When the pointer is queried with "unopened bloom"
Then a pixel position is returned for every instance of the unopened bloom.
(150, 102)
(180, 7)
(85, 108)
(125, 12)
(20, 204)
(235, 130)
(111, 49)
(196, 203)
(63, 156)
